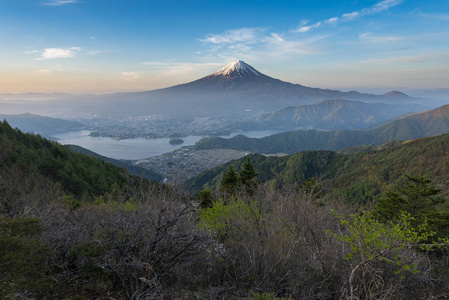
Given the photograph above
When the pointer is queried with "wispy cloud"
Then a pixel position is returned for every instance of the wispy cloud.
(421, 58)
(305, 28)
(174, 68)
(280, 46)
(60, 2)
(332, 20)
(130, 76)
(52, 53)
(376, 8)
(31, 51)
(381, 6)
(242, 35)
(444, 17)
(350, 16)
(258, 44)
(368, 37)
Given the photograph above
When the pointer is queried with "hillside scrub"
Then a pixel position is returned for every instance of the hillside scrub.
(157, 244)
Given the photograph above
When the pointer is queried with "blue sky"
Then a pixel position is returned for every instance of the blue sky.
(102, 46)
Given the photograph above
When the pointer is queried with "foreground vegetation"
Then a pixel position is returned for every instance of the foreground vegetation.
(129, 239)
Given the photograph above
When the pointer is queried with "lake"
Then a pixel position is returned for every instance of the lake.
(138, 148)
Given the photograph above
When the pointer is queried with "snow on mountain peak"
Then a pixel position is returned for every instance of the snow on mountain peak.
(237, 68)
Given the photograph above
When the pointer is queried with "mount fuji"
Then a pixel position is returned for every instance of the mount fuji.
(235, 91)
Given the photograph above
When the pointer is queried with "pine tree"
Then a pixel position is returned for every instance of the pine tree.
(419, 199)
(230, 181)
(248, 176)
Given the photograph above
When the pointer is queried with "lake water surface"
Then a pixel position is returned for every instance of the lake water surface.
(138, 148)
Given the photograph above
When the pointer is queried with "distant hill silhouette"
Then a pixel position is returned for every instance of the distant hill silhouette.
(427, 123)
(329, 115)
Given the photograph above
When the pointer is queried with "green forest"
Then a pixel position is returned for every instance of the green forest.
(365, 223)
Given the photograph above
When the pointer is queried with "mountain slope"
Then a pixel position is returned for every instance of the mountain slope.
(357, 177)
(334, 114)
(427, 123)
(40, 124)
(27, 156)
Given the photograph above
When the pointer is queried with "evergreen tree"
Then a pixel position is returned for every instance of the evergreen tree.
(248, 176)
(418, 198)
(206, 199)
(230, 181)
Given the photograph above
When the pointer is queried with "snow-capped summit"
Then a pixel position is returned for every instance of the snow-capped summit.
(237, 68)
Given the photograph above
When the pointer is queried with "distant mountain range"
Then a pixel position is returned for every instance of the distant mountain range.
(426, 123)
(235, 91)
(330, 115)
(40, 124)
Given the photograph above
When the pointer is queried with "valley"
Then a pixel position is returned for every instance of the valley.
(179, 165)
(285, 123)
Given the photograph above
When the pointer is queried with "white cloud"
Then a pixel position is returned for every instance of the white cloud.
(31, 51)
(174, 68)
(51, 53)
(259, 46)
(60, 2)
(381, 6)
(351, 16)
(277, 37)
(376, 8)
(130, 75)
(243, 35)
(307, 28)
(378, 39)
(282, 47)
(332, 20)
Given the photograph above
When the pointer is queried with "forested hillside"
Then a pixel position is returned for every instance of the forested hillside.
(428, 123)
(25, 155)
(358, 177)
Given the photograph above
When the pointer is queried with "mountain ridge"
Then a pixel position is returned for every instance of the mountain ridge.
(428, 123)
(235, 91)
